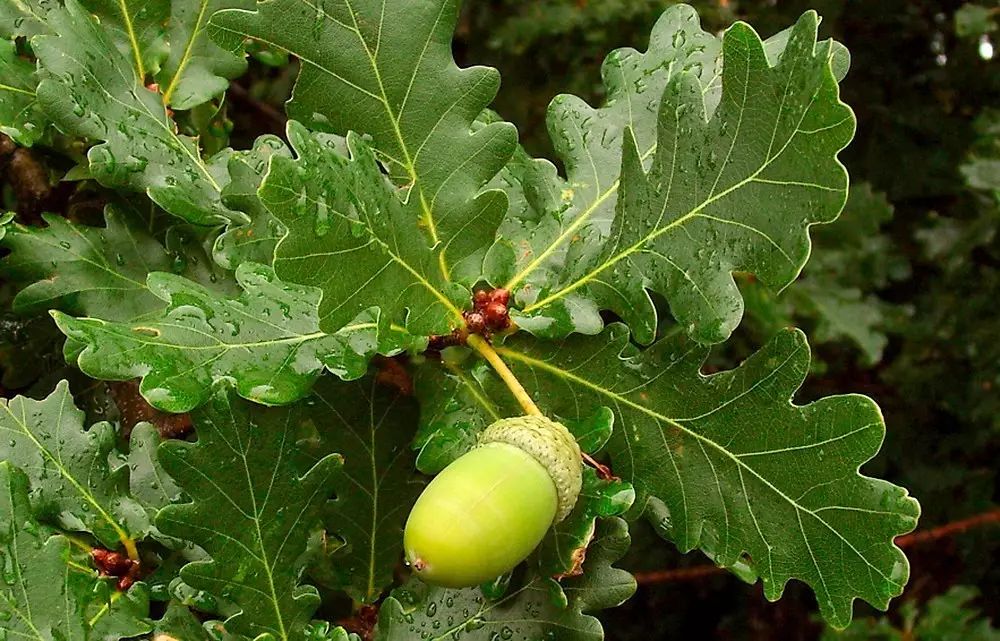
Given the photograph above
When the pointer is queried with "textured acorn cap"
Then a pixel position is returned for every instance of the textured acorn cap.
(549, 443)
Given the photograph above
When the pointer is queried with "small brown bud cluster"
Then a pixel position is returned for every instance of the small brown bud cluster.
(117, 565)
(490, 313)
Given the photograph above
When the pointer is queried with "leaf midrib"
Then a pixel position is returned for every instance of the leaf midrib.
(678, 425)
(421, 279)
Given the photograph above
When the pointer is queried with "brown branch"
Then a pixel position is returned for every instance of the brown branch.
(240, 94)
(949, 529)
(680, 575)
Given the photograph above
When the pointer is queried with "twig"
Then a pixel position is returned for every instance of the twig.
(486, 350)
(947, 530)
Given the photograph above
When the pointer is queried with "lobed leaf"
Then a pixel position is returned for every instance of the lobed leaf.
(349, 235)
(268, 341)
(41, 592)
(391, 74)
(252, 511)
(255, 240)
(727, 464)
(71, 478)
(731, 191)
(149, 484)
(369, 426)
(91, 270)
(196, 69)
(91, 89)
(537, 608)
(20, 117)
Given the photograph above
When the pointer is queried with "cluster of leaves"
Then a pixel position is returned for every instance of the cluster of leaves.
(261, 290)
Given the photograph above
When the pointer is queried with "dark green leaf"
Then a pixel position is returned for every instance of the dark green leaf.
(42, 594)
(391, 74)
(733, 190)
(349, 235)
(538, 608)
(268, 341)
(149, 483)
(553, 214)
(370, 427)
(91, 89)
(974, 20)
(252, 511)
(454, 409)
(88, 270)
(728, 464)
(196, 68)
(68, 467)
(114, 615)
(20, 117)
(255, 241)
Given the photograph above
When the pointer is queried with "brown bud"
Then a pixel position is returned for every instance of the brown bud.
(480, 299)
(500, 295)
(496, 315)
(476, 322)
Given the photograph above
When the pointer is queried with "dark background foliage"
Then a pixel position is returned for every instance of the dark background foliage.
(900, 298)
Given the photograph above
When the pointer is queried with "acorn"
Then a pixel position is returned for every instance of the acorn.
(490, 508)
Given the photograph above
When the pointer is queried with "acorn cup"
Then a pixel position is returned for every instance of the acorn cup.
(490, 508)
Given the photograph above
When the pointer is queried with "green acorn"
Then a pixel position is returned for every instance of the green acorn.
(487, 511)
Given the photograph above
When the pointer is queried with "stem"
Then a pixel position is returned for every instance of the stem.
(133, 552)
(486, 351)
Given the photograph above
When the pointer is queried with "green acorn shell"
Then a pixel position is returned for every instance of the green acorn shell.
(490, 508)
(549, 443)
